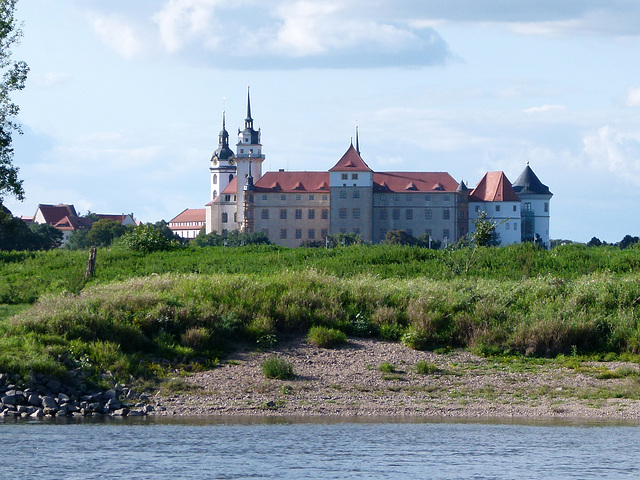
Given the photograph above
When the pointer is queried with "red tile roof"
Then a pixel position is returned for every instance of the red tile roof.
(115, 218)
(414, 182)
(54, 213)
(232, 188)
(190, 215)
(494, 187)
(73, 223)
(293, 182)
(351, 161)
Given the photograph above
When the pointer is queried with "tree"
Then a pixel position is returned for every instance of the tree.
(485, 234)
(147, 238)
(46, 236)
(399, 237)
(14, 75)
(627, 241)
(105, 231)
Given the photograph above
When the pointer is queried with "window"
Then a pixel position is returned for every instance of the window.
(325, 213)
(445, 233)
(343, 194)
(408, 214)
(298, 197)
(527, 207)
(312, 197)
(383, 233)
(396, 214)
(383, 198)
(227, 198)
(461, 214)
(344, 176)
(515, 208)
(515, 226)
(383, 214)
(507, 226)
(428, 214)
(230, 177)
(396, 198)
(409, 232)
(447, 198)
(264, 197)
(283, 197)
(427, 232)
(356, 194)
(446, 214)
(312, 214)
(215, 193)
(225, 217)
(354, 176)
(215, 178)
(298, 233)
(409, 197)
(427, 198)
(312, 234)
(343, 213)
(325, 197)
(356, 213)
(298, 214)
(343, 230)
(497, 208)
(265, 214)
(235, 217)
(283, 214)
(546, 207)
(477, 208)
(356, 231)
(324, 233)
(283, 233)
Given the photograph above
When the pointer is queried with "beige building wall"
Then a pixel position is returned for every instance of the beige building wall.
(351, 211)
(289, 219)
(417, 213)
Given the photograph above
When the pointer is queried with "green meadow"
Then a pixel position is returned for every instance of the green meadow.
(144, 314)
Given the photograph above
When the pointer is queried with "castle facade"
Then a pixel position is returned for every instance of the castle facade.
(292, 207)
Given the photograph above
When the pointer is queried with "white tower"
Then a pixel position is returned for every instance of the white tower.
(249, 157)
(223, 168)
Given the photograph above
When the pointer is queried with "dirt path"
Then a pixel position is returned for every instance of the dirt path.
(348, 382)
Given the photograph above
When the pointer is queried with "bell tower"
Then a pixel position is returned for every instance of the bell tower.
(223, 163)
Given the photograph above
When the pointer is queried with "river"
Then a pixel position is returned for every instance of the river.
(319, 449)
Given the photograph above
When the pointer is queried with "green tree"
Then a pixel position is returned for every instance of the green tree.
(78, 240)
(399, 237)
(485, 234)
(14, 75)
(46, 236)
(147, 238)
(104, 232)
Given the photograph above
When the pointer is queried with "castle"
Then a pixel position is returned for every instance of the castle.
(294, 207)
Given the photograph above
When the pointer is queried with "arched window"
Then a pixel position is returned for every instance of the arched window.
(215, 193)
(225, 217)
(215, 178)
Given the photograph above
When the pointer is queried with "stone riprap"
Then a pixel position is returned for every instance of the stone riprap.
(48, 397)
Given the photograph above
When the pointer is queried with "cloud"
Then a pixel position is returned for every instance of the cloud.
(544, 108)
(117, 35)
(633, 97)
(614, 151)
(293, 34)
(184, 21)
(50, 79)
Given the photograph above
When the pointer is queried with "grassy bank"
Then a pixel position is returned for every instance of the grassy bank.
(25, 276)
(141, 326)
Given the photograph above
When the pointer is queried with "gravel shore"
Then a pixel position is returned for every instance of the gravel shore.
(347, 382)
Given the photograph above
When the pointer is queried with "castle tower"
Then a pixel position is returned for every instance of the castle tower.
(223, 168)
(535, 197)
(249, 157)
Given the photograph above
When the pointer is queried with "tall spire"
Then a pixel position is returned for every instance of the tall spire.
(223, 152)
(248, 122)
(357, 141)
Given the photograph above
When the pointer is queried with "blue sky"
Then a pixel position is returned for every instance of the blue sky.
(124, 101)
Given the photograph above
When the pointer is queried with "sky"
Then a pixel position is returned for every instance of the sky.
(124, 100)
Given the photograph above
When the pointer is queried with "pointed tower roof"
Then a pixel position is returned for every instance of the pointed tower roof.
(462, 188)
(494, 187)
(528, 183)
(351, 161)
(248, 122)
(223, 152)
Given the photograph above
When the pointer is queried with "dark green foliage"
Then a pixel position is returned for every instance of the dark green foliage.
(324, 337)
(149, 238)
(16, 235)
(277, 368)
(230, 239)
(399, 237)
(104, 232)
(14, 76)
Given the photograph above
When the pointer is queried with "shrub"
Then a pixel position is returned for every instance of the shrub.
(426, 368)
(324, 337)
(147, 238)
(386, 367)
(278, 368)
(196, 338)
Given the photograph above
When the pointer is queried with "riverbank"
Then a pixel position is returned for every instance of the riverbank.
(350, 381)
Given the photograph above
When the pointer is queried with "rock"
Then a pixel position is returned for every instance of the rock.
(121, 412)
(61, 413)
(22, 409)
(49, 411)
(113, 404)
(144, 398)
(37, 414)
(147, 408)
(3, 378)
(9, 398)
(110, 394)
(62, 398)
(34, 400)
(49, 402)
(136, 413)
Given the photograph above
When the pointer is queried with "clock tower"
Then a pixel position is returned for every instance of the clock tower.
(223, 163)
